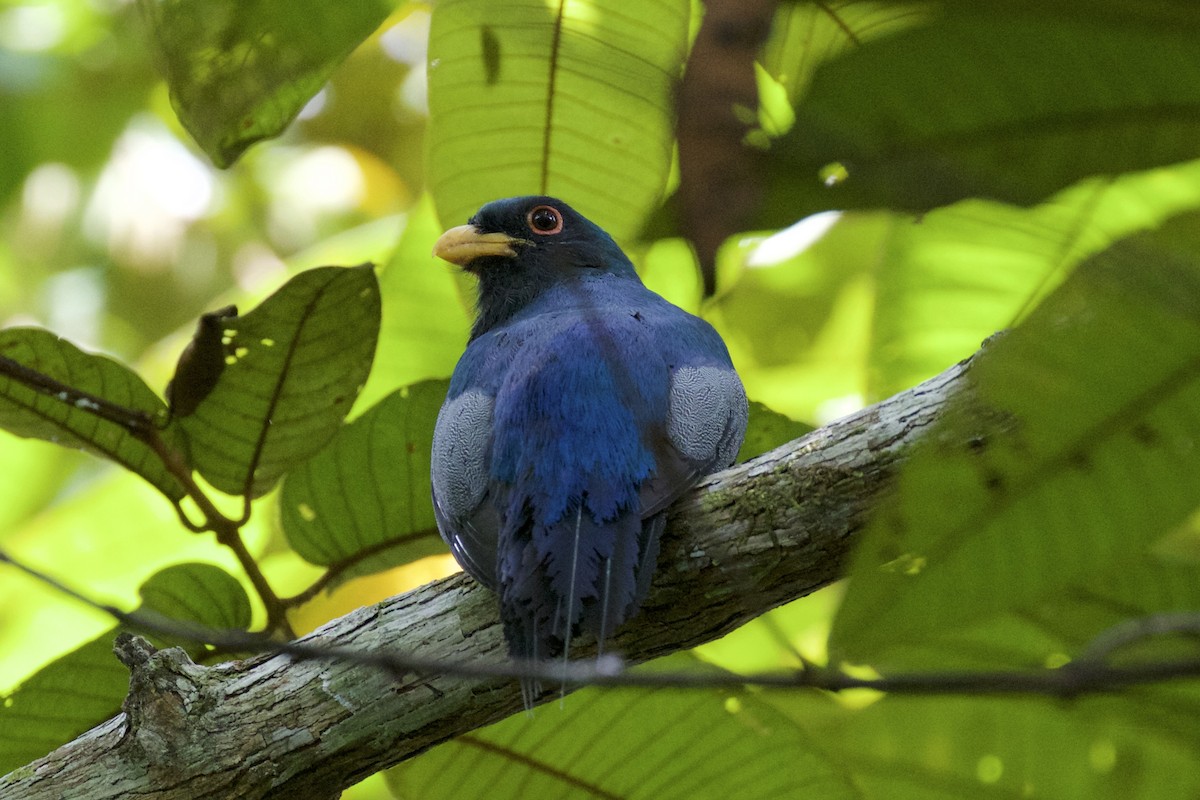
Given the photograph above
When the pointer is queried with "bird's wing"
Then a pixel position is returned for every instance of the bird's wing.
(460, 482)
(705, 423)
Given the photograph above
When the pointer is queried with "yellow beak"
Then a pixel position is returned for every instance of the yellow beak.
(464, 244)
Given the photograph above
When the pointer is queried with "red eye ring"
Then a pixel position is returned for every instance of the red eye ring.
(544, 220)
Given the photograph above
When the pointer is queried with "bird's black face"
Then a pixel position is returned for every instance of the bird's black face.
(522, 245)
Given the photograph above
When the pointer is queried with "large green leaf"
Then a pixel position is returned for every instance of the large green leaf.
(959, 274)
(240, 71)
(805, 35)
(1081, 454)
(1003, 106)
(1054, 630)
(1168, 14)
(61, 416)
(86, 686)
(369, 490)
(571, 98)
(293, 367)
(798, 330)
(631, 744)
(962, 748)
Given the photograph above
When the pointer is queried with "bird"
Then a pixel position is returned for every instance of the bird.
(582, 407)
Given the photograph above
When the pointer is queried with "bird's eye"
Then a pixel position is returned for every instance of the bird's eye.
(545, 220)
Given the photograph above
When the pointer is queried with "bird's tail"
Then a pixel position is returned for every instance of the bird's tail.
(582, 577)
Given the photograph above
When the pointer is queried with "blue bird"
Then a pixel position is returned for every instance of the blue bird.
(584, 405)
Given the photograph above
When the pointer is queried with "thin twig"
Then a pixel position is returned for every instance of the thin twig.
(1076, 678)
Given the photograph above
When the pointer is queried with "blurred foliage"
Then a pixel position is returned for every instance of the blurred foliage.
(117, 232)
(239, 72)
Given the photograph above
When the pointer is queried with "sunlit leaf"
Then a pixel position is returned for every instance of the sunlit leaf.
(965, 107)
(572, 99)
(959, 274)
(1082, 428)
(773, 641)
(368, 492)
(239, 72)
(64, 417)
(631, 744)
(293, 367)
(42, 468)
(798, 330)
(85, 687)
(1057, 629)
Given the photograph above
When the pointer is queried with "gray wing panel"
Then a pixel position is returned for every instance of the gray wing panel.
(459, 457)
(706, 415)
(459, 475)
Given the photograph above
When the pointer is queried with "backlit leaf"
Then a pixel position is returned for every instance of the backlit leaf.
(766, 430)
(959, 274)
(369, 490)
(65, 418)
(572, 99)
(240, 72)
(1082, 425)
(293, 367)
(967, 107)
(632, 744)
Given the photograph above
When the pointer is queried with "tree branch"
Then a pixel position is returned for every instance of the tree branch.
(745, 541)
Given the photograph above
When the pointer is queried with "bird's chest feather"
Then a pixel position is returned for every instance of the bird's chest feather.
(579, 398)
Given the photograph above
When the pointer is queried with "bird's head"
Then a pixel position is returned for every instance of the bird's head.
(520, 246)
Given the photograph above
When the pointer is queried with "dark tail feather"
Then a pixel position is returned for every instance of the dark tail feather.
(592, 581)
(648, 545)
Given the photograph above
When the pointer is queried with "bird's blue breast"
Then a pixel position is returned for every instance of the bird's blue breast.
(579, 393)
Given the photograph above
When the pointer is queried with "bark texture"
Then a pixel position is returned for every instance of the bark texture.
(745, 541)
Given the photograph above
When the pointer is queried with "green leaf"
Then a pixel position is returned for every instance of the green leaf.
(1057, 629)
(798, 330)
(293, 367)
(961, 748)
(768, 429)
(999, 106)
(959, 274)
(85, 687)
(199, 593)
(1167, 14)
(240, 72)
(568, 99)
(58, 414)
(369, 491)
(1082, 427)
(631, 744)
(805, 35)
